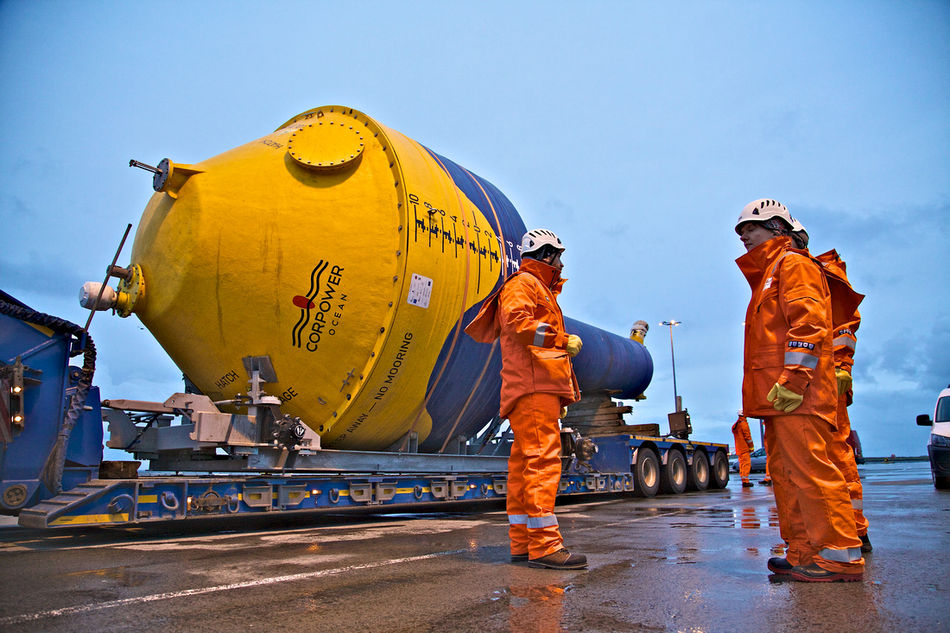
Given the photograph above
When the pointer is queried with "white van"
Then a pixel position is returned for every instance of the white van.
(938, 448)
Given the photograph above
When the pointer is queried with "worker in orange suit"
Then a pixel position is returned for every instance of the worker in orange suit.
(789, 382)
(846, 319)
(537, 382)
(744, 447)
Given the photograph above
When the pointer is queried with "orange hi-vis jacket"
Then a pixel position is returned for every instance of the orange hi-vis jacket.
(525, 315)
(741, 432)
(844, 306)
(788, 331)
(744, 446)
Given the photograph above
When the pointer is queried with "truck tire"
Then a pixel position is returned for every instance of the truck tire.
(673, 475)
(646, 473)
(719, 470)
(941, 483)
(698, 472)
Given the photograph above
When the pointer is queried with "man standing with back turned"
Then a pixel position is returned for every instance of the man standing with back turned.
(537, 381)
(789, 381)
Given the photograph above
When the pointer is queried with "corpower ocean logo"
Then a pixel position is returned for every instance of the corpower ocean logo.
(321, 309)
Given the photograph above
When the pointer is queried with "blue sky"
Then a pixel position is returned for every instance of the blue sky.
(635, 130)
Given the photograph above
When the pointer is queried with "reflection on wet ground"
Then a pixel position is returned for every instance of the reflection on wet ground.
(755, 517)
(122, 576)
(746, 517)
(536, 608)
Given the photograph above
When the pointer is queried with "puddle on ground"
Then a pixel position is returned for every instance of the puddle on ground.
(123, 576)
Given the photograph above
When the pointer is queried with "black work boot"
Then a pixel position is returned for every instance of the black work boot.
(865, 544)
(519, 558)
(561, 559)
(780, 566)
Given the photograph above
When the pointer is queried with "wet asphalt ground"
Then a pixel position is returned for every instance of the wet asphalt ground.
(694, 562)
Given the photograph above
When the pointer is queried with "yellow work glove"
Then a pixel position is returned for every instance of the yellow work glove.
(784, 399)
(844, 380)
(574, 344)
(563, 412)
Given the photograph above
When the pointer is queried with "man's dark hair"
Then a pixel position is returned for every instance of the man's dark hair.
(542, 253)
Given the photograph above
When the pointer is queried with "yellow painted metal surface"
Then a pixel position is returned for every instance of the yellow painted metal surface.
(297, 245)
(92, 519)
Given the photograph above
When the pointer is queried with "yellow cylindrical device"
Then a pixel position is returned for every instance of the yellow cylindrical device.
(352, 256)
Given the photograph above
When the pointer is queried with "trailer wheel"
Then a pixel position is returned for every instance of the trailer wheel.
(941, 483)
(719, 471)
(673, 475)
(699, 472)
(646, 473)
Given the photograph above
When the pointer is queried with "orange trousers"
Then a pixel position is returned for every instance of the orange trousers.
(842, 455)
(534, 471)
(811, 495)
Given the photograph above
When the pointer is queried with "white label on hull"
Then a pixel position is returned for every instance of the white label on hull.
(420, 291)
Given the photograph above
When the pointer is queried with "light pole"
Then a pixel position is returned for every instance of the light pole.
(676, 398)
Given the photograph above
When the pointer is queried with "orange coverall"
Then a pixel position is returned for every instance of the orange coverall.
(537, 379)
(744, 446)
(788, 340)
(846, 320)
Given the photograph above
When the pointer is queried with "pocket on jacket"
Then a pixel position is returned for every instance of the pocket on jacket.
(552, 369)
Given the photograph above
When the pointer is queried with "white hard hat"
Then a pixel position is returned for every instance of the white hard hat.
(762, 210)
(536, 238)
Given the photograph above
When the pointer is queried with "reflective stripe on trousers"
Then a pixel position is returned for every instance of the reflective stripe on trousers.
(547, 520)
(850, 555)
